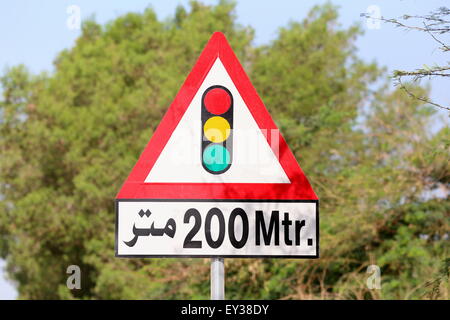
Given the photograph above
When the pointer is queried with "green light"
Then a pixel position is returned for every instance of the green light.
(216, 158)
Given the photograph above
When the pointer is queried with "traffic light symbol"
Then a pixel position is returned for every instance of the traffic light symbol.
(217, 129)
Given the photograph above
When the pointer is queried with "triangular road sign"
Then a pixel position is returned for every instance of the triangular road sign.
(262, 165)
(217, 150)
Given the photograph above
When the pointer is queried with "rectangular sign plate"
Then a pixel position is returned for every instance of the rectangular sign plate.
(217, 228)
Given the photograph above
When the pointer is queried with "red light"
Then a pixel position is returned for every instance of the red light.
(217, 101)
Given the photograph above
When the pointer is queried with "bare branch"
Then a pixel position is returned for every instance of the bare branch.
(423, 99)
(435, 23)
(421, 73)
(444, 46)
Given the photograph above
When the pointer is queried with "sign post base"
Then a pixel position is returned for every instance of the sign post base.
(217, 279)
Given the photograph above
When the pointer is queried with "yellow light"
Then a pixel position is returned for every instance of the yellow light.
(216, 129)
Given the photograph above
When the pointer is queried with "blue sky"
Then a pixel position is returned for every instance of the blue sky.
(33, 32)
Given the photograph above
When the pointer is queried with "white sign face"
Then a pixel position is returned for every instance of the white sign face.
(253, 158)
(225, 228)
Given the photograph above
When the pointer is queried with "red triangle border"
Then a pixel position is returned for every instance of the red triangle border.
(135, 187)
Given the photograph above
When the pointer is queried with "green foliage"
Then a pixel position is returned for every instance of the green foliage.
(69, 139)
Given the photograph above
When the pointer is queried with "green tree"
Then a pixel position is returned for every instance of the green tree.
(69, 139)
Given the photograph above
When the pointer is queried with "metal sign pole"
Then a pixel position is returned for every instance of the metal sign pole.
(217, 279)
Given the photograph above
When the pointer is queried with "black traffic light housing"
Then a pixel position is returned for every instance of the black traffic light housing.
(217, 149)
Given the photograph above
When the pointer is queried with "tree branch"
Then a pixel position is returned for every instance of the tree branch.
(433, 24)
(423, 99)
